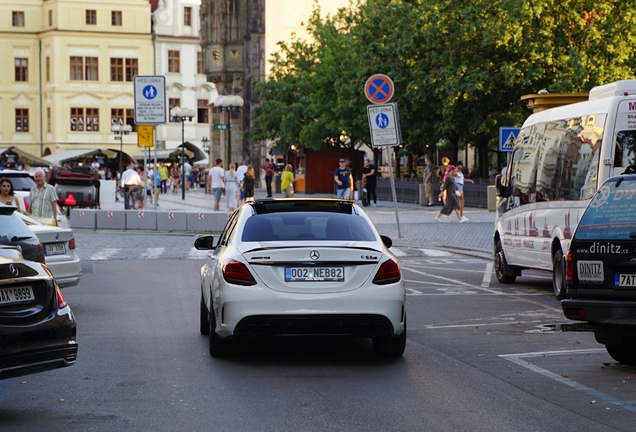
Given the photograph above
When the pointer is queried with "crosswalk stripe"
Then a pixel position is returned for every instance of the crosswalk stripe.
(197, 254)
(435, 253)
(397, 252)
(104, 254)
(152, 253)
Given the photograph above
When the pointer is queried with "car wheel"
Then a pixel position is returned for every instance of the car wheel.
(501, 266)
(204, 326)
(218, 347)
(390, 346)
(558, 275)
(624, 352)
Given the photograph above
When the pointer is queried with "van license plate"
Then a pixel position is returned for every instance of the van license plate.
(625, 280)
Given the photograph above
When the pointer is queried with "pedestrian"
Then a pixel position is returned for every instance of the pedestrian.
(240, 172)
(343, 179)
(451, 203)
(163, 170)
(248, 184)
(459, 180)
(231, 188)
(216, 183)
(175, 174)
(441, 175)
(354, 182)
(130, 182)
(429, 180)
(43, 198)
(287, 182)
(7, 195)
(492, 173)
(156, 176)
(187, 168)
(269, 174)
(369, 181)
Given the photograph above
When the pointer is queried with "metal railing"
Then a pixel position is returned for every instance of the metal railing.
(408, 191)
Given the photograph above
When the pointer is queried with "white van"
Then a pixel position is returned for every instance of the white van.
(560, 158)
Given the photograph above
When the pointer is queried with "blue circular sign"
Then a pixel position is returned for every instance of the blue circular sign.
(382, 120)
(150, 92)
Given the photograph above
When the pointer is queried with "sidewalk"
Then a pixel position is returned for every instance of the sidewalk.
(418, 226)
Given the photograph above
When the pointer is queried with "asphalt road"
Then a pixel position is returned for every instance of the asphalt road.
(480, 356)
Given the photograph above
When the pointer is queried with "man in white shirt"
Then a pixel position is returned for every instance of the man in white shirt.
(217, 182)
(130, 182)
(240, 173)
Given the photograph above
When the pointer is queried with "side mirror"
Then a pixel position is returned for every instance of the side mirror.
(204, 242)
(502, 191)
(387, 241)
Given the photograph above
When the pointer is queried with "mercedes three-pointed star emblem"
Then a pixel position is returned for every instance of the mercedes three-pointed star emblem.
(314, 255)
(14, 270)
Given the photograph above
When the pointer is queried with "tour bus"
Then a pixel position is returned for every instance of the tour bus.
(561, 156)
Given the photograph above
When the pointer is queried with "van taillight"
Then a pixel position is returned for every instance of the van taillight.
(570, 274)
(388, 273)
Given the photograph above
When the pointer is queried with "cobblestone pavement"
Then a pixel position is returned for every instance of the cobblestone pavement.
(421, 233)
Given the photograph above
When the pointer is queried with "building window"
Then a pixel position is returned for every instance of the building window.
(234, 27)
(130, 119)
(121, 116)
(85, 119)
(116, 69)
(199, 62)
(187, 16)
(131, 69)
(91, 17)
(77, 67)
(173, 102)
(174, 62)
(17, 18)
(21, 119)
(202, 111)
(48, 68)
(92, 69)
(21, 69)
(50, 17)
(115, 18)
(48, 119)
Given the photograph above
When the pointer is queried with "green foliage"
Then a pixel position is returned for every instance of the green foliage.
(459, 67)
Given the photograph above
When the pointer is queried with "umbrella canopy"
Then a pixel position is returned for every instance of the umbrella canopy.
(22, 156)
(77, 154)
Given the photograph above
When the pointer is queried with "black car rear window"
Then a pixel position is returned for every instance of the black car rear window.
(22, 183)
(611, 213)
(303, 226)
(12, 228)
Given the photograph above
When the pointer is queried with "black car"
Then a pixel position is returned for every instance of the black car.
(37, 327)
(14, 232)
(600, 270)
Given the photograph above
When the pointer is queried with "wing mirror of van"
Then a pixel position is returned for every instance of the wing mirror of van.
(502, 190)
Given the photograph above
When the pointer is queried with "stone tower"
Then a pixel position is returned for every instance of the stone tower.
(232, 38)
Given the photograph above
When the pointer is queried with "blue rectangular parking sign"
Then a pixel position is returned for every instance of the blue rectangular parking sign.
(507, 138)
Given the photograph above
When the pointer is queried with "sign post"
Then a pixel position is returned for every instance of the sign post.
(384, 123)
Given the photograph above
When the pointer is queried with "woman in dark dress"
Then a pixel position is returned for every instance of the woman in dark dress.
(248, 184)
(451, 203)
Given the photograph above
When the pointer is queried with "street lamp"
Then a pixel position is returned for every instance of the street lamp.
(119, 130)
(229, 104)
(181, 115)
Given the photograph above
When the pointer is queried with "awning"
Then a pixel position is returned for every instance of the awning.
(75, 154)
(24, 157)
(193, 152)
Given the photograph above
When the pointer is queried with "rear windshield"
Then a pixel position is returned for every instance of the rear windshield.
(20, 183)
(307, 226)
(610, 214)
(13, 229)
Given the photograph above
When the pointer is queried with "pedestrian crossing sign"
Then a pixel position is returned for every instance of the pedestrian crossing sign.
(507, 138)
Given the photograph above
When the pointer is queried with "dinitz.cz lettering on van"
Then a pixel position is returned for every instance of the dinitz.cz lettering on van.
(604, 248)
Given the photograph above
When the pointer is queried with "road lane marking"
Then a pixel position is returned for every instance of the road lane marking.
(485, 283)
(152, 253)
(397, 252)
(104, 254)
(518, 359)
(454, 282)
(197, 254)
(436, 253)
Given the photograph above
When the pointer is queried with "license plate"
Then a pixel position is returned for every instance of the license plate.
(21, 294)
(54, 249)
(625, 280)
(314, 274)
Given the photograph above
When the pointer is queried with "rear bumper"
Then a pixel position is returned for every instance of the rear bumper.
(66, 269)
(362, 325)
(607, 312)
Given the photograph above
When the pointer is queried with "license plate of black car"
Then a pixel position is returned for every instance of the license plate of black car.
(21, 294)
(625, 280)
(314, 274)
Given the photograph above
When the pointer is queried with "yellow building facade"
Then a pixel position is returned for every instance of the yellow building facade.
(67, 72)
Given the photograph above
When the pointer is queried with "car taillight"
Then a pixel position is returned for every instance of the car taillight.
(388, 273)
(570, 274)
(41, 256)
(71, 244)
(70, 200)
(61, 302)
(236, 272)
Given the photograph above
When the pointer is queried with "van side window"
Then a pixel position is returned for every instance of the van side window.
(525, 162)
(625, 151)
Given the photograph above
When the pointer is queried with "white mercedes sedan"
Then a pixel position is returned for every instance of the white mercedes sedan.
(301, 267)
